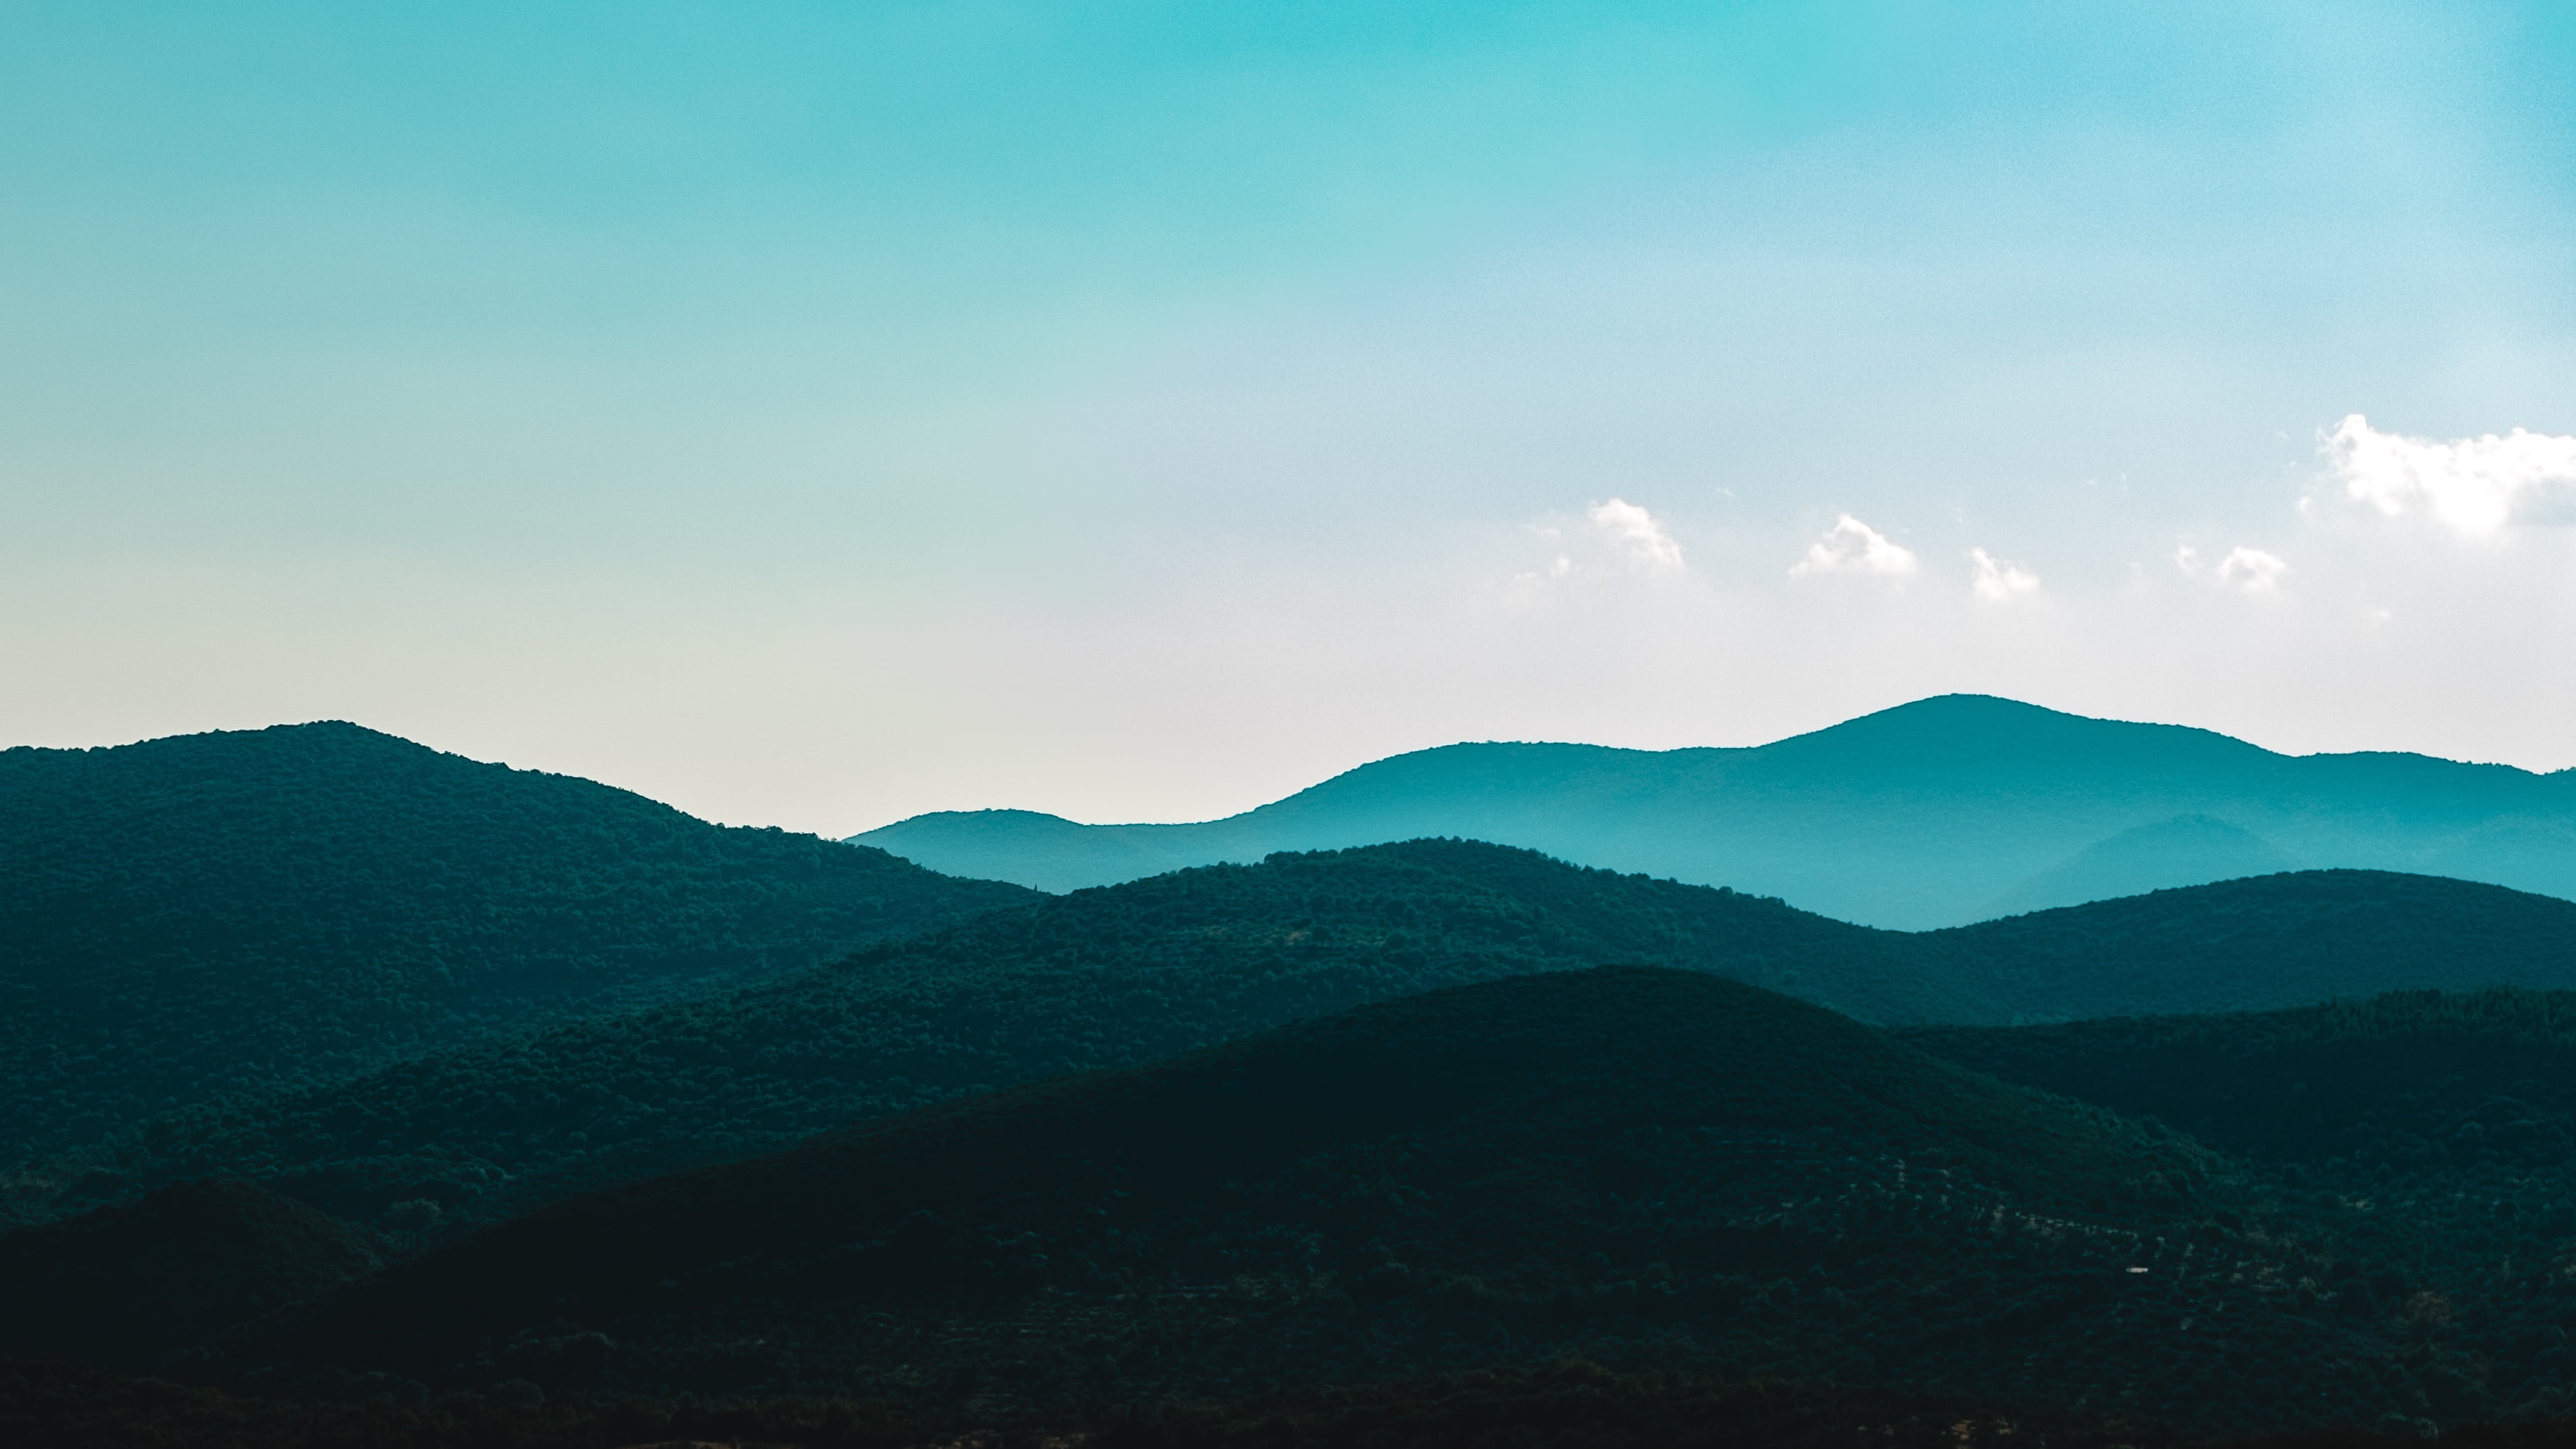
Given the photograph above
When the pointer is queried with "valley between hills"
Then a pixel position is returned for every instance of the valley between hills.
(360, 1094)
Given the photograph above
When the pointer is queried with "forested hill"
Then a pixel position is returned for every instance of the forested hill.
(1931, 814)
(1103, 978)
(237, 912)
(2447, 1119)
(1120, 976)
(2271, 941)
(1652, 1166)
(2417, 1088)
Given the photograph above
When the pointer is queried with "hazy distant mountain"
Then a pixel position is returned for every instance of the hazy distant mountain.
(2187, 850)
(1925, 815)
(224, 913)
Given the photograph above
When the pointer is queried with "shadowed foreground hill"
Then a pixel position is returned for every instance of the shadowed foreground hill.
(130, 1285)
(1643, 1166)
(223, 913)
(2431, 1083)
(1125, 975)
(1933, 813)
(2454, 1115)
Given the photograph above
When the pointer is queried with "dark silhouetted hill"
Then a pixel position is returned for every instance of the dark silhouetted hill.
(2256, 944)
(2446, 1122)
(226, 913)
(1648, 1167)
(1925, 815)
(2453, 1115)
(1124, 975)
(2426, 1082)
(131, 1285)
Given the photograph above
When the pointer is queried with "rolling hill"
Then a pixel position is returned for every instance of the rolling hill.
(2447, 1101)
(134, 1284)
(228, 913)
(1930, 814)
(1645, 1168)
(1639, 1165)
(1124, 975)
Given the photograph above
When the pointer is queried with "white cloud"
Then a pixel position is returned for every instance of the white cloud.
(2251, 570)
(2474, 486)
(1998, 580)
(1853, 547)
(1640, 531)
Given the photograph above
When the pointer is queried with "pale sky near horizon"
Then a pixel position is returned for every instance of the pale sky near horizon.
(815, 414)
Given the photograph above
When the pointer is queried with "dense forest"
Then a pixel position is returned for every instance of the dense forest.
(2257, 944)
(219, 914)
(1650, 1169)
(2448, 1121)
(1127, 974)
(1665, 1173)
(133, 1284)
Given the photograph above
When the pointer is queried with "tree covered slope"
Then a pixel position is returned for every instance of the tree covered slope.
(2422, 1093)
(2444, 1124)
(132, 1285)
(1121, 976)
(225, 913)
(1934, 813)
(1099, 979)
(1651, 1169)
(1640, 1165)
(2271, 941)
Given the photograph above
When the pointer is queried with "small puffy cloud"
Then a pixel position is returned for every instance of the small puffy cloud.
(2474, 486)
(1999, 581)
(2246, 570)
(2251, 570)
(1853, 547)
(1640, 532)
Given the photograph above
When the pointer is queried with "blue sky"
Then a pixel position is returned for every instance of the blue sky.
(815, 414)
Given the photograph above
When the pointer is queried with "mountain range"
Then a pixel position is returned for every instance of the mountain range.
(1934, 813)
(1120, 976)
(366, 1096)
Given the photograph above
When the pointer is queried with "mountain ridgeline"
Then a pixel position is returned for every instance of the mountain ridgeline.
(1935, 813)
(228, 913)
(1121, 976)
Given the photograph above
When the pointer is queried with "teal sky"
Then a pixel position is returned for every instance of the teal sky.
(816, 414)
